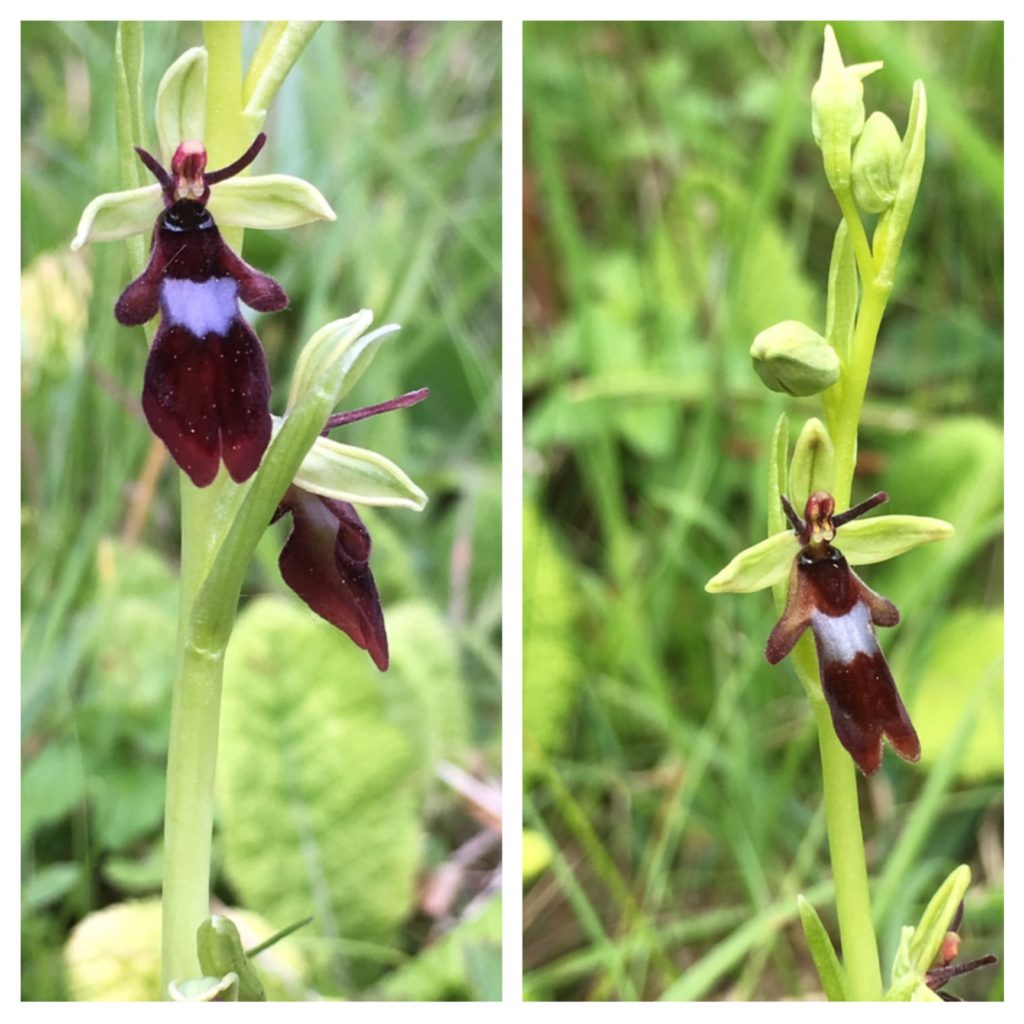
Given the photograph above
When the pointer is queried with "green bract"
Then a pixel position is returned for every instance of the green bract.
(793, 358)
(837, 110)
(877, 164)
(221, 954)
(342, 343)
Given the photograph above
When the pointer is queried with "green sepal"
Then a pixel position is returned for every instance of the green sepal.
(863, 542)
(205, 990)
(116, 215)
(221, 953)
(757, 567)
(920, 946)
(866, 541)
(841, 310)
(271, 202)
(346, 473)
(830, 970)
(814, 463)
(340, 343)
(181, 102)
(892, 225)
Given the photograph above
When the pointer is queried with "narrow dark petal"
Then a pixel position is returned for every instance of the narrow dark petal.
(257, 290)
(180, 400)
(326, 562)
(239, 165)
(341, 419)
(243, 399)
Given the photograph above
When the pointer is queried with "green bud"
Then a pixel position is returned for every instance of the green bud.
(221, 954)
(877, 164)
(837, 110)
(813, 465)
(792, 358)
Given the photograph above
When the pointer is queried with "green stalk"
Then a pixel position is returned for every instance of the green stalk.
(845, 841)
(839, 778)
(195, 703)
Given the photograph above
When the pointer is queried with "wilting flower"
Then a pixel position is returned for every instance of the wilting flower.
(326, 559)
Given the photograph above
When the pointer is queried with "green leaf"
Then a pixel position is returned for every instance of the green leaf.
(49, 884)
(464, 964)
(318, 789)
(551, 667)
(346, 473)
(830, 971)
(962, 678)
(272, 202)
(52, 785)
(867, 541)
(757, 567)
(423, 688)
(181, 102)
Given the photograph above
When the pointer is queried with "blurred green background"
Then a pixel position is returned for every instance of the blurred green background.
(330, 801)
(675, 205)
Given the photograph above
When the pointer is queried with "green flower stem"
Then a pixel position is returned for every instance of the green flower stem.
(858, 236)
(845, 840)
(842, 808)
(195, 704)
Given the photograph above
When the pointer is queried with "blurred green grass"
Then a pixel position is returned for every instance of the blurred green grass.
(674, 205)
(398, 124)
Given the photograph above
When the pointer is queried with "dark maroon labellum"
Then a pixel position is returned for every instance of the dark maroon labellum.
(207, 391)
(826, 595)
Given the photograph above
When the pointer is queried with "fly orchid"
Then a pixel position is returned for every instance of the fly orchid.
(207, 391)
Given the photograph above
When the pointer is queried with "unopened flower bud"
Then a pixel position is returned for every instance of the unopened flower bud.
(792, 358)
(877, 164)
(837, 110)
